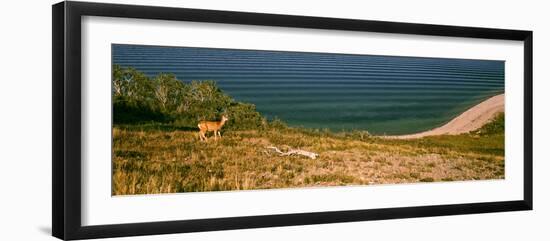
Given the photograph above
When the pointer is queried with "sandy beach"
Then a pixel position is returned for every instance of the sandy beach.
(470, 120)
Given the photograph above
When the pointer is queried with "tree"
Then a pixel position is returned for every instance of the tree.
(168, 92)
(205, 100)
(131, 86)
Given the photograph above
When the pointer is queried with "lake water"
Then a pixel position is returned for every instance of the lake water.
(381, 94)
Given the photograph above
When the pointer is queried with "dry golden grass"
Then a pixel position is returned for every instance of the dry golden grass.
(149, 160)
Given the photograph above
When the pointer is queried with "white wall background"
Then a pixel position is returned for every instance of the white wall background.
(25, 123)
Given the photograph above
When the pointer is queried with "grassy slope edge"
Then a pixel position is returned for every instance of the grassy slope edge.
(159, 158)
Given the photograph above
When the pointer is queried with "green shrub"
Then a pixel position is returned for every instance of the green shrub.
(126, 113)
(277, 123)
(165, 99)
(494, 127)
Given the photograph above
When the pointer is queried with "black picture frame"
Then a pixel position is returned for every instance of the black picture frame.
(66, 128)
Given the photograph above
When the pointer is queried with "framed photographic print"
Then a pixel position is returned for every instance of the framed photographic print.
(170, 120)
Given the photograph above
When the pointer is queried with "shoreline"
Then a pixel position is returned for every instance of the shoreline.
(470, 120)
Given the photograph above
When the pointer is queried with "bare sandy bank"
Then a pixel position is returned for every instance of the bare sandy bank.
(472, 119)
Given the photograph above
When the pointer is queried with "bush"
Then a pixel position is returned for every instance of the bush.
(277, 123)
(165, 99)
(494, 127)
(244, 116)
(125, 113)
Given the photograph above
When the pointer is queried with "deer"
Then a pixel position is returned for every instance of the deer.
(214, 126)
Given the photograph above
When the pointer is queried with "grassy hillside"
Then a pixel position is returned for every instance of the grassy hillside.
(164, 158)
(156, 147)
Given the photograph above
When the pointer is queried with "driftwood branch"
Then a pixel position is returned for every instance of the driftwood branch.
(294, 152)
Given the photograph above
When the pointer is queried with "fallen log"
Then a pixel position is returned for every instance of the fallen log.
(291, 151)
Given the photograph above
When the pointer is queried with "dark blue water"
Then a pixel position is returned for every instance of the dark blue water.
(381, 94)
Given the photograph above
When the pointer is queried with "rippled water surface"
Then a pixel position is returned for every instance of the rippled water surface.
(381, 94)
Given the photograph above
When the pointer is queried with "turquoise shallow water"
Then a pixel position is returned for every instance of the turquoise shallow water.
(381, 94)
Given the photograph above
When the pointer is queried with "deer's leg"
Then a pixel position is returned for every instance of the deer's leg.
(202, 136)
